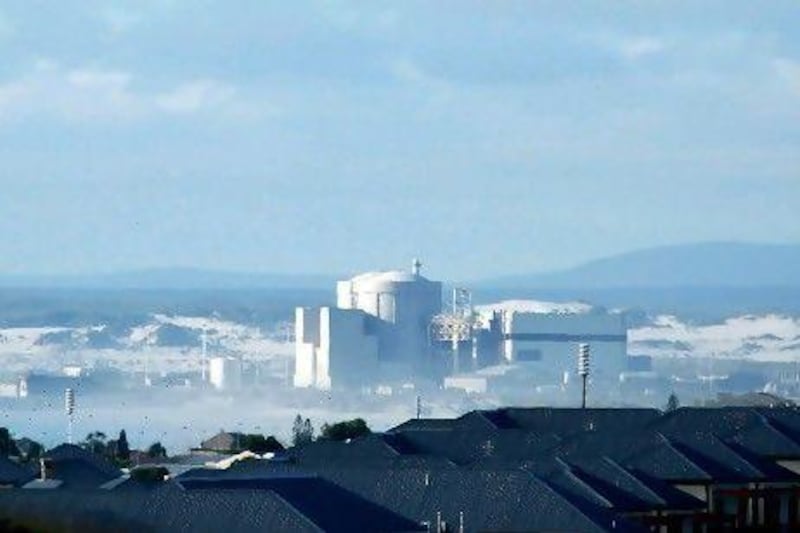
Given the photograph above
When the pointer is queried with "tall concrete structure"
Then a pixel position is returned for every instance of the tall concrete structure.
(334, 346)
(225, 373)
(379, 330)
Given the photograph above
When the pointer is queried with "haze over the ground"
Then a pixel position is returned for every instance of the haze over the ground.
(315, 137)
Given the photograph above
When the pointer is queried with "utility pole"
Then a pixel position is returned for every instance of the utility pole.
(69, 408)
(419, 406)
(583, 369)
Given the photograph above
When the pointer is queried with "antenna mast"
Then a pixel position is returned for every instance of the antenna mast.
(583, 369)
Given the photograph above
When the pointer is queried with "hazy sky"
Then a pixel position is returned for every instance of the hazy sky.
(485, 137)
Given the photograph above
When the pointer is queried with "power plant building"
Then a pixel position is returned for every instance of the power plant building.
(225, 373)
(378, 330)
(390, 327)
(550, 340)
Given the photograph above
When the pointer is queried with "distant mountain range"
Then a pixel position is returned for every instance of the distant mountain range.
(172, 278)
(737, 265)
(719, 264)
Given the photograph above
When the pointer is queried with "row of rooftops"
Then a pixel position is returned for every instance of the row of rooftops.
(505, 469)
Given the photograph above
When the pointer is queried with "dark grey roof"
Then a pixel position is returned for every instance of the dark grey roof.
(77, 473)
(505, 500)
(12, 473)
(506, 469)
(662, 460)
(627, 492)
(370, 449)
(325, 504)
(764, 438)
(716, 459)
(168, 509)
(567, 421)
(421, 424)
(65, 452)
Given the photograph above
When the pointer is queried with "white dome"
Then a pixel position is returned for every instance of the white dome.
(380, 278)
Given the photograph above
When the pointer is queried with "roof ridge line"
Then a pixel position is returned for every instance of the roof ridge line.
(776, 426)
(633, 478)
(687, 459)
(569, 471)
(738, 454)
(297, 511)
(568, 501)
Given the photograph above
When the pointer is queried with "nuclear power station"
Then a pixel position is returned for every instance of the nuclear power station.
(393, 327)
(378, 330)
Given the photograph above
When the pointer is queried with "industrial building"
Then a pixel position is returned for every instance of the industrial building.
(225, 373)
(379, 330)
(16, 388)
(391, 327)
(550, 339)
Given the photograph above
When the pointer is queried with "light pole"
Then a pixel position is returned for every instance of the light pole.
(583, 369)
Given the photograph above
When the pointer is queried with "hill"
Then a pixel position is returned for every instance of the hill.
(718, 264)
(172, 278)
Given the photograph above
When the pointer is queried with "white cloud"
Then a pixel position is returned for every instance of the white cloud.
(119, 20)
(104, 80)
(104, 94)
(789, 71)
(6, 28)
(72, 94)
(639, 47)
(195, 96)
(11, 94)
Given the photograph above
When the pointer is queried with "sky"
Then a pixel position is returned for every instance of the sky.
(485, 138)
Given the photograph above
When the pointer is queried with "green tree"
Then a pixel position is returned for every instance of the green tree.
(157, 450)
(96, 442)
(260, 444)
(347, 429)
(7, 446)
(672, 403)
(302, 431)
(149, 474)
(123, 449)
(35, 451)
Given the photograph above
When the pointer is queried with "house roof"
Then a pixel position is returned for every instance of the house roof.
(503, 499)
(71, 452)
(325, 504)
(169, 508)
(567, 421)
(12, 473)
(222, 441)
(371, 449)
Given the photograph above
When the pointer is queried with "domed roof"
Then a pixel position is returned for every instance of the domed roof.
(390, 276)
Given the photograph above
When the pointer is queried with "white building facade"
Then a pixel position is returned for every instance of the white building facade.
(379, 329)
(225, 373)
(549, 342)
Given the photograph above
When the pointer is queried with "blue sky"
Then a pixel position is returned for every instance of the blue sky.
(485, 137)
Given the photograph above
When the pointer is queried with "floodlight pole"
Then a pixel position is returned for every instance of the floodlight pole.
(583, 369)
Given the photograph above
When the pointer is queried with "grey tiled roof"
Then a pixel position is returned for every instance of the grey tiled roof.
(14, 474)
(325, 504)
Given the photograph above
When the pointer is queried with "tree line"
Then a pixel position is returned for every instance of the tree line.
(118, 450)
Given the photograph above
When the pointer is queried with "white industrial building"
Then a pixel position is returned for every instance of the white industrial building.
(378, 330)
(225, 373)
(535, 344)
(389, 326)
(550, 340)
(17, 388)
